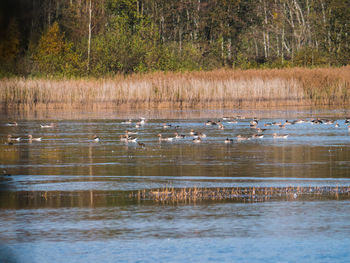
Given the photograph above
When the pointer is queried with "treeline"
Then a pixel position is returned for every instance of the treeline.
(105, 37)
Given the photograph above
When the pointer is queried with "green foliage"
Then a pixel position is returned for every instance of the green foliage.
(54, 55)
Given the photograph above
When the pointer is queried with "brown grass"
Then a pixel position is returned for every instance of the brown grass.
(221, 88)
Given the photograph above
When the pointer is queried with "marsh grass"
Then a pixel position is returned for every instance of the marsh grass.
(221, 88)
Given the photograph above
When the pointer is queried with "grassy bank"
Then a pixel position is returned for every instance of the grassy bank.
(222, 88)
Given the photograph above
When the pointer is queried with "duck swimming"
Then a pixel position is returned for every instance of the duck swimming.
(33, 139)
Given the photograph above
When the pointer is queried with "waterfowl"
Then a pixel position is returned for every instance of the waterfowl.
(192, 132)
(51, 125)
(232, 122)
(33, 139)
(210, 123)
(197, 140)
(258, 136)
(179, 136)
(276, 123)
(131, 139)
(288, 123)
(202, 135)
(241, 138)
(239, 117)
(336, 125)
(161, 138)
(328, 122)
(124, 137)
(280, 136)
(128, 133)
(96, 138)
(221, 126)
(137, 125)
(141, 144)
(12, 123)
(127, 121)
(142, 120)
(282, 126)
(10, 138)
(228, 140)
(166, 126)
(260, 130)
(252, 126)
(267, 124)
(347, 120)
(254, 122)
(5, 173)
(298, 121)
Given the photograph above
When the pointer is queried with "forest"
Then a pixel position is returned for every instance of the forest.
(78, 38)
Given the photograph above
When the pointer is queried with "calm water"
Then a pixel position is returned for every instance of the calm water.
(67, 196)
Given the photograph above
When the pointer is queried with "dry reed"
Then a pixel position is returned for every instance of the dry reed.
(221, 88)
(253, 194)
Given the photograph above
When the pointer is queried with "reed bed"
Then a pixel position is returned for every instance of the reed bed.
(220, 88)
(250, 194)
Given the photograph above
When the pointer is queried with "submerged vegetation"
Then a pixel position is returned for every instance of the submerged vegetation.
(220, 88)
(240, 194)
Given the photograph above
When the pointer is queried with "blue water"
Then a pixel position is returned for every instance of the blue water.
(67, 197)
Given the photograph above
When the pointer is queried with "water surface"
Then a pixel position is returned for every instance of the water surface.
(68, 195)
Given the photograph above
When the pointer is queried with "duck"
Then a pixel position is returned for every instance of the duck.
(298, 121)
(221, 126)
(130, 133)
(51, 125)
(10, 138)
(166, 126)
(347, 120)
(259, 130)
(267, 124)
(12, 123)
(277, 123)
(161, 138)
(280, 136)
(228, 140)
(336, 125)
(197, 140)
(179, 136)
(33, 139)
(96, 138)
(201, 135)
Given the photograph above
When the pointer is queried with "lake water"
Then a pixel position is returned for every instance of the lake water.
(68, 197)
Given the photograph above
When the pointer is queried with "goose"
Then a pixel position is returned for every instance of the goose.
(179, 136)
(33, 139)
(96, 138)
(12, 123)
(241, 138)
(192, 132)
(10, 138)
(161, 138)
(280, 136)
(124, 137)
(197, 140)
(51, 125)
(127, 121)
(141, 144)
(258, 136)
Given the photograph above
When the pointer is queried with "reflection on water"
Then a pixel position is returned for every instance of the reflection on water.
(68, 194)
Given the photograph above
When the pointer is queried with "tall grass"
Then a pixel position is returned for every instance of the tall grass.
(223, 88)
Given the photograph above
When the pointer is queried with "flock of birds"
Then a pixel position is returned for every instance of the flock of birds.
(196, 136)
